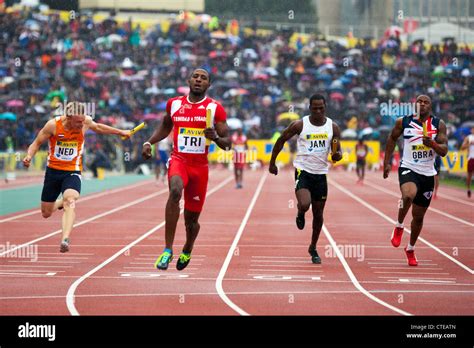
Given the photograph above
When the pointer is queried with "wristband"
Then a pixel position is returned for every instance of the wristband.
(146, 143)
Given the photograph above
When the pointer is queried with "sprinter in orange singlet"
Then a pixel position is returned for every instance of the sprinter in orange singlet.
(63, 171)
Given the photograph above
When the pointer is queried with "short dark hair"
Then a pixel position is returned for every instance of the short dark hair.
(317, 96)
(203, 69)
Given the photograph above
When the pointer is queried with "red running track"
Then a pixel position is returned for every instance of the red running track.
(249, 257)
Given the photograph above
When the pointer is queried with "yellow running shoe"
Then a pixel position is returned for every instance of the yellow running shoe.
(183, 261)
(164, 260)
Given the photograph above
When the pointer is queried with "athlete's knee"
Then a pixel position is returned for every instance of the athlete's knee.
(69, 202)
(46, 213)
(192, 226)
(407, 199)
(417, 220)
(304, 206)
(175, 194)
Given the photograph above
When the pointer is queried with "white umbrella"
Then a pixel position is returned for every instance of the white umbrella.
(152, 90)
(271, 71)
(250, 53)
(32, 25)
(366, 131)
(204, 18)
(349, 133)
(218, 35)
(355, 52)
(127, 63)
(234, 123)
(40, 109)
(254, 121)
(115, 38)
(352, 72)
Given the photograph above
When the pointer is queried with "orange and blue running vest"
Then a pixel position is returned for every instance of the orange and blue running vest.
(66, 148)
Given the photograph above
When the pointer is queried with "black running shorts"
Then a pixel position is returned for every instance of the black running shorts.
(58, 181)
(424, 185)
(315, 183)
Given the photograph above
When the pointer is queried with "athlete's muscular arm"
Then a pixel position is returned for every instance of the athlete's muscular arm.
(100, 128)
(440, 144)
(391, 142)
(293, 129)
(159, 134)
(336, 131)
(219, 135)
(44, 134)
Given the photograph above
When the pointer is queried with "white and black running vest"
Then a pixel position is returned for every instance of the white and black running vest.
(417, 156)
(314, 144)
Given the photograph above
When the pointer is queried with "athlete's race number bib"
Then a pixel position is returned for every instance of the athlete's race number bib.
(421, 153)
(316, 142)
(191, 140)
(65, 150)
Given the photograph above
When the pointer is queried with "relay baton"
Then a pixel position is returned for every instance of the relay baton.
(333, 147)
(208, 124)
(425, 132)
(136, 129)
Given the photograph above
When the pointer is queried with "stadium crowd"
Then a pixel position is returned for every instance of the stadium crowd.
(128, 73)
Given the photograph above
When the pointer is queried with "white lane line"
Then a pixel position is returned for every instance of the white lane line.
(28, 270)
(95, 217)
(422, 278)
(86, 198)
(280, 257)
(282, 270)
(232, 248)
(434, 210)
(425, 281)
(393, 259)
(72, 289)
(73, 254)
(458, 200)
(49, 274)
(152, 268)
(308, 266)
(278, 277)
(65, 257)
(413, 273)
(29, 266)
(399, 263)
(154, 255)
(38, 261)
(405, 268)
(354, 279)
(278, 261)
(236, 293)
(393, 222)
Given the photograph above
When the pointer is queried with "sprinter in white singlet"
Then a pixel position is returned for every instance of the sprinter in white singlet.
(316, 133)
(417, 171)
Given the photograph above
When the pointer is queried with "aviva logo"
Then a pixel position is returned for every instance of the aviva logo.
(420, 148)
(316, 136)
(66, 143)
(191, 131)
